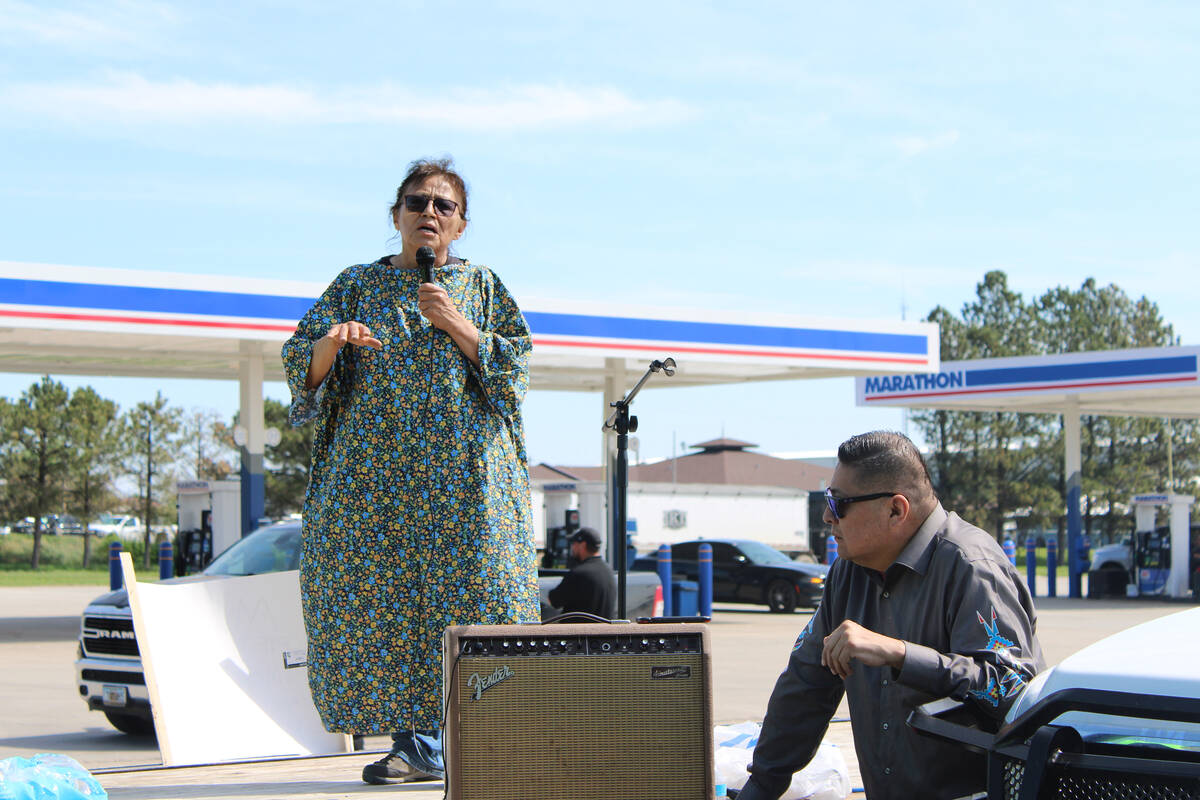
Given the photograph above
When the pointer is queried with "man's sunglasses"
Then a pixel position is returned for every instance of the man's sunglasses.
(838, 506)
(419, 202)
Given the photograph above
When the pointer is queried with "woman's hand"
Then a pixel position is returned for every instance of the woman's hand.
(437, 307)
(352, 332)
(326, 348)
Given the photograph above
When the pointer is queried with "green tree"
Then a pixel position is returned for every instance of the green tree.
(207, 453)
(36, 451)
(95, 441)
(287, 462)
(1122, 456)
(991, 466)
(150, 432)
(987, 465)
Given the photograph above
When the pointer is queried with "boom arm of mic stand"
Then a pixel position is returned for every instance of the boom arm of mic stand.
(620, 420)
(666, 366)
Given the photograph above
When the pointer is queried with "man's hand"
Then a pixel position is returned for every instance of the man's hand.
(852, 642)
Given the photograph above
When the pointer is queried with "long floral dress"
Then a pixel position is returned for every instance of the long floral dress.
(417, 514)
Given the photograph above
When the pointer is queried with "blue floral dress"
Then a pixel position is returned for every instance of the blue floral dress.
(417, 514)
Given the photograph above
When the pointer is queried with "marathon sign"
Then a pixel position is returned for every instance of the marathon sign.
(1074, 373)
(889, 384)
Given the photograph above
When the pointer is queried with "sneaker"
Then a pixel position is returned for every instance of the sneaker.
(392, 769)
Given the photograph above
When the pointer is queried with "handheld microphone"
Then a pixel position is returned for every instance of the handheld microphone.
(425, 259)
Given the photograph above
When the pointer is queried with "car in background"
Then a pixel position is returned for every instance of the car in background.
(748, 571)
(63, 523)
(124, 526)
(108, 668)
(1115, 557)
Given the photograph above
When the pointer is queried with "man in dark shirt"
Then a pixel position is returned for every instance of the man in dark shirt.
(919, 605)
(590, 585)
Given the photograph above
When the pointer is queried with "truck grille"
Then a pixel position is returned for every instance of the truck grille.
(109, 636)
(1062, 783)
(114, 676)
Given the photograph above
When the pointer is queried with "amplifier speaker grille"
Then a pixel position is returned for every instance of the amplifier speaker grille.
(578, 722)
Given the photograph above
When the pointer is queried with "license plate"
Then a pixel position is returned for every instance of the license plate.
(116, 695)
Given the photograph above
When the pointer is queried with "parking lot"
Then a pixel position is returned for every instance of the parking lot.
(42, 711)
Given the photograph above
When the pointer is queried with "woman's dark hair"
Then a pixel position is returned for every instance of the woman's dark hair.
(422, 170)
(887, 461)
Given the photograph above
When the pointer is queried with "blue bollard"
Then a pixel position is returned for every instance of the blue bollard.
(166, 560)
(1031, 565)
(830, 549)
(1010, 550)
(1051, 566)
(664, 575)
(115, 579)
(705, 598)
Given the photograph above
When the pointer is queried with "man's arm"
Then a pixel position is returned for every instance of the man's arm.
(798, 713)
(560, 595)
(993, 650)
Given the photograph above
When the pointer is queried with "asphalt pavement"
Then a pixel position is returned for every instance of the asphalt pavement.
(42, 710)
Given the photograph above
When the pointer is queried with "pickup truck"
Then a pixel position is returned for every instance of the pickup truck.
(108, 668)
(1118, 719)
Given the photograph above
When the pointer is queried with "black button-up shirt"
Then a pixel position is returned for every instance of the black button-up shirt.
(969, 629)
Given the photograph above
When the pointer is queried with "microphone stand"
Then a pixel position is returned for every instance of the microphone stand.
(621, 421)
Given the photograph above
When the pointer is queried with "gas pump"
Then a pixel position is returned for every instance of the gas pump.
(558, 541)
(210, 520)
(1161, 558)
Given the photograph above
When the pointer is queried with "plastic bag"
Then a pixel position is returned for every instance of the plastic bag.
(824, 778)
(47, 776)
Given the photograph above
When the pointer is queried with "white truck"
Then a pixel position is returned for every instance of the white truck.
(1118, 719)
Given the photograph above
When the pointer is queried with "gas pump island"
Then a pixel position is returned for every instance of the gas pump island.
(210, 520)
(1162, 559)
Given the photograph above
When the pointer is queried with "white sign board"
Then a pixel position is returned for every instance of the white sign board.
(225, 668)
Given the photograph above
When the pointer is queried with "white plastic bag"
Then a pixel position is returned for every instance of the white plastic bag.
(47, 776)
(825, 778)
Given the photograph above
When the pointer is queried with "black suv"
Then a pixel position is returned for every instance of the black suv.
(748, 571)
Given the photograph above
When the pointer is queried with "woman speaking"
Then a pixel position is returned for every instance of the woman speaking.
(417, 514)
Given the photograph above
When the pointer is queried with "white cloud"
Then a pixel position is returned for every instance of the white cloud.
(917, 145)
(131, 98)
(89, 24)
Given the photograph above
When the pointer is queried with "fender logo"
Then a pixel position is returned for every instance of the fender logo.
(658, 673)
(481, 683)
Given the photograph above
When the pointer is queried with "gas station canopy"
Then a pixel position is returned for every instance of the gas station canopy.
(1149, 382)
(88, 321)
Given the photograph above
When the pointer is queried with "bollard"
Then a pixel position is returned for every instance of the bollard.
(1010, 550)
(705, 598)
(1051, 566)
(830, 549)
(1031, 565)
(664, 575)
(166, 560)
(115, 579)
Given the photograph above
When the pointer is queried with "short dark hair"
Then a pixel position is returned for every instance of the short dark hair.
(887, 461)
(422, 170)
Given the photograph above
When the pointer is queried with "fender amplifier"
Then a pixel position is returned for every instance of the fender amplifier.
(578, 712)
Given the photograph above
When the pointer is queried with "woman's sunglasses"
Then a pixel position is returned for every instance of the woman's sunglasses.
(838, 506)
(419, 202)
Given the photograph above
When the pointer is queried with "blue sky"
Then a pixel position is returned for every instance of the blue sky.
(866, 161)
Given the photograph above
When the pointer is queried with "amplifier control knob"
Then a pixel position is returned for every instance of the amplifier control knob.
(645, 643)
